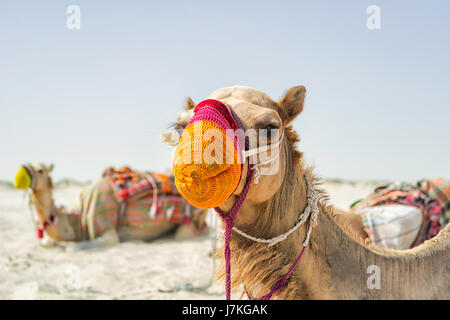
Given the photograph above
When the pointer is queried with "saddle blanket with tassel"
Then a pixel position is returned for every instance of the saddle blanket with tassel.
(129, 184)
(392, 226)
(98, 210)
(439, 189)
(400, 216)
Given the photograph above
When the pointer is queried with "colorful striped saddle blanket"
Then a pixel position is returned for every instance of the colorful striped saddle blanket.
(129, 184)
(400, 216)
(440, 190)
(100, 206)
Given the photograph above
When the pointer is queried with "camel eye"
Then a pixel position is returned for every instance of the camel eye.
(40, 171)
(179, 131)
(180, 126)
(271, 127)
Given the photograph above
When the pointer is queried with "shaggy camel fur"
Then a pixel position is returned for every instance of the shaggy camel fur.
(62, 229)
(338, 263)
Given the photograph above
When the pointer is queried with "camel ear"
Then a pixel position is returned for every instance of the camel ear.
(50, 167)
(291, 105)
(189, 104)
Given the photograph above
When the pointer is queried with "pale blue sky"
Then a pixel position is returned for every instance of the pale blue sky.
(377, 105)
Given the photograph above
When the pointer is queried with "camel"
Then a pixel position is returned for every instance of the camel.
(64, 226)
(338, 262)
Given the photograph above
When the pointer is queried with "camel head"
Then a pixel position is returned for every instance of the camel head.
(258, 111)
(35, 176)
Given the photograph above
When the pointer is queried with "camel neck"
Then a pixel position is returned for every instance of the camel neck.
(59, 229)
(42, 200)
(279, 214)
(275, 217)
(270, 219)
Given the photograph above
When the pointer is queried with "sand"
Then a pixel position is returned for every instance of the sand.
(130, 270)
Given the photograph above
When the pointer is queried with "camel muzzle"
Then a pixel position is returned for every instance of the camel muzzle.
(24, 178)
(207, 166)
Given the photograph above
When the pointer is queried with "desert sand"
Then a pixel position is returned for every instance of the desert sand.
(130, 270)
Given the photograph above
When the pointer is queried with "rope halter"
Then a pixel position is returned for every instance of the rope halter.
(310, 213)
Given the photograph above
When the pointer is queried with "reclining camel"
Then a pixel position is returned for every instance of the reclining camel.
(95, 219)
(337, 262)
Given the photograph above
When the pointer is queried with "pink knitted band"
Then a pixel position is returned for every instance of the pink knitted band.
(218, 113)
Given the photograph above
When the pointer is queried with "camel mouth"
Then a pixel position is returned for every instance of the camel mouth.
(206, 185)
(23, 179)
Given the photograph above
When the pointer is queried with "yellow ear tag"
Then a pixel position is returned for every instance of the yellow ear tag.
(23, 179)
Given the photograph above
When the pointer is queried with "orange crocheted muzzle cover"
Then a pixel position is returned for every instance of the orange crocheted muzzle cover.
(207, 163)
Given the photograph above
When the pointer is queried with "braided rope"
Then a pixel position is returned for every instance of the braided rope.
(229, 223)
(153, 208)
(257, 150)
(310, 213)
